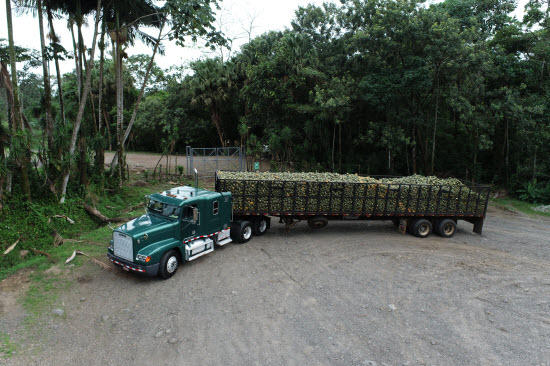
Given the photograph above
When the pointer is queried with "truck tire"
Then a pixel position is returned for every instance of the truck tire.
(317, 222)
(260, 226)
(446, 228)
(421, 228)
(241, 231)
(168, 264)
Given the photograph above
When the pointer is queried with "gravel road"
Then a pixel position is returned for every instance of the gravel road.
(139, 161)
(353, 293)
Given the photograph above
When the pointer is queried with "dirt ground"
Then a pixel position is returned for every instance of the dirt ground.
(140, 161)
(353, 293)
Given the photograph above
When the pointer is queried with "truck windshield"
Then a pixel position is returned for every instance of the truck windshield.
(163, 209)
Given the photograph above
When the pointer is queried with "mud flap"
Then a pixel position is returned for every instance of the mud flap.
(402, 226)
(478, 226)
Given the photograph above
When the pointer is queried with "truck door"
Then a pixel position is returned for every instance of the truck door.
(190, 222)
(215, 216)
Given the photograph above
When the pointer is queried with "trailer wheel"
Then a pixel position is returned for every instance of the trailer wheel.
(260, 226)
(422, 228)
(446, 228)
(168, 264)
(317, 222)
(241, 231)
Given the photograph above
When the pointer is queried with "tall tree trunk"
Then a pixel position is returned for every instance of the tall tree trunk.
(3, 139)
(108, 127)
(47, 96)
(78, 121)
(100, 151)
(340, 146)
(216, 121)
(79, 20)
(435, 126)
(119, 102)
(114, 162)
(83, 164)
(414, 148)
(474, 168)
(333, 143)
(17, 120)
(55, 40)
(535, 164)
(77, 68)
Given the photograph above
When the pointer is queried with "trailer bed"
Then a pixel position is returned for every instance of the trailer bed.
(351, 200)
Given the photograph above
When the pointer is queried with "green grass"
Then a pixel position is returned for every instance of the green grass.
(512, 204)
(42, 294)
(7, 347)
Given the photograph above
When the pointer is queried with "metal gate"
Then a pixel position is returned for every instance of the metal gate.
(211, 159)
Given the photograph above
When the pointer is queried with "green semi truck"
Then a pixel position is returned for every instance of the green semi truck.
(181, 224)
(185, 223)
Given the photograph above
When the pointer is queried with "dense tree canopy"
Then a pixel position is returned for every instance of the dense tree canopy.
(390, 87)
(457, 88)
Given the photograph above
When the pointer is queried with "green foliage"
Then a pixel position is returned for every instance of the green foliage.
(454, 88)
(7, 347)
(34, 224)
(534, 192)
(511, 204)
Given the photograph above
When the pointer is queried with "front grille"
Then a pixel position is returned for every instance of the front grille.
(123, 247)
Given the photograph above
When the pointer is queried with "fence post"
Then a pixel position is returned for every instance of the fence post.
(241, 158)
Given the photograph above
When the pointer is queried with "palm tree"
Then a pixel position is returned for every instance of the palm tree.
(17, 121)
(85, 91)
(47, 86)
(211, 86)
(124, 18)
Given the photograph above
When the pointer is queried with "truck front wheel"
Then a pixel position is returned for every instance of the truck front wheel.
(168, 264)
(241, 231)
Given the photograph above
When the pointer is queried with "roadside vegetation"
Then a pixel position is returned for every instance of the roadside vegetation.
(512, 204)
(44, 239)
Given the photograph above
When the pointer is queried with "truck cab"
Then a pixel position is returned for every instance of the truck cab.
(180, 224)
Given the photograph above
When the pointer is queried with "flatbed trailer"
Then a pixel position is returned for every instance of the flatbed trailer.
(418, 208)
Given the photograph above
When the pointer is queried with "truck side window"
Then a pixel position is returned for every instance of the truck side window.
(187, 212)
(216, 208)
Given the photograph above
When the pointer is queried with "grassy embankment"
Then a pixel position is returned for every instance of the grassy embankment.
(34, 225)
(511, 204)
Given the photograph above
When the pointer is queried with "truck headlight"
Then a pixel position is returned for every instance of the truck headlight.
(143, 258)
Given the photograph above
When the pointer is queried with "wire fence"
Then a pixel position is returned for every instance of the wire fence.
(208, 161)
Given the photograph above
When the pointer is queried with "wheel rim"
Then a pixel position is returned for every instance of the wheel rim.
(424, 229)
(318, 224)
(172, 264)
(247, 232)
(448, 229)
(262, 226)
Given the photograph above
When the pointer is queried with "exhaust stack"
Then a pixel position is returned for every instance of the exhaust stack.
(196, 179)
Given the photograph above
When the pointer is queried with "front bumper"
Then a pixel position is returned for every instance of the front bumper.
(151, 270)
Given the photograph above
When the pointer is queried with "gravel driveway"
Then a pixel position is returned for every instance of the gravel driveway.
(353, 293)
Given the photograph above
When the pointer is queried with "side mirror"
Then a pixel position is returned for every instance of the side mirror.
(195, 215)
